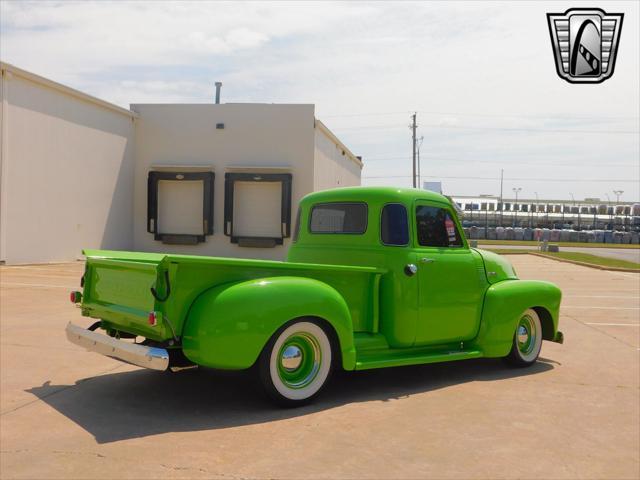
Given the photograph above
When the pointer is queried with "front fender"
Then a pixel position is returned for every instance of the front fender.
(228, 325)
(504, 303)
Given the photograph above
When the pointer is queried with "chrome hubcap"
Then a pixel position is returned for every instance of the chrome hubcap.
(291, 358)
(300, 359)
(523, 335)
(526, 335)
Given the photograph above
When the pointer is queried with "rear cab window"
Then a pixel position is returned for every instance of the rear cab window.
(394, 225)
(436, 227)
(339, 218)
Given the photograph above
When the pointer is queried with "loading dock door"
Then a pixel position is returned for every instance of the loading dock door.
(180, 207)
(256, 209)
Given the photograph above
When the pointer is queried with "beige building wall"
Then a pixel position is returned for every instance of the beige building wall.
(256, 138)
(66, 172)
(74, 171)
(333, 163)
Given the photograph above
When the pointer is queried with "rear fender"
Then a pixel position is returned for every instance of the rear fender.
(505, 302)
(228, 325)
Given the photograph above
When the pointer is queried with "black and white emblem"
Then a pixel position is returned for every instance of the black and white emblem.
(585, 43)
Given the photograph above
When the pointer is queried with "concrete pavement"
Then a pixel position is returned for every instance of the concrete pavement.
(67, 413)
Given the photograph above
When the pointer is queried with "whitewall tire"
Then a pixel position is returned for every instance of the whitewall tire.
(527, 340)
(296, 363)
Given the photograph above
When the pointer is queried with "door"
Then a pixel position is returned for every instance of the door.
(399, 287)
(451, 278)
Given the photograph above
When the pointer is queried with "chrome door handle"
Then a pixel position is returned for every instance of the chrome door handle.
(427, 260)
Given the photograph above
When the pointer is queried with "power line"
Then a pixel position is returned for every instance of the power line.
(488, 115)
(533, 163)
(376, 159)
(374, 114)
(369, 127)
(546, 117)
(543, 130)
(523, 179)
(505, 129)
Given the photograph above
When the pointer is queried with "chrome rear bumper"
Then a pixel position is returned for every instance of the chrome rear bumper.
(148, 357)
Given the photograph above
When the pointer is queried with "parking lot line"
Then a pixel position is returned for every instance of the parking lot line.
(614, 324)
(39, 285)
(594, 307)
(602, 296)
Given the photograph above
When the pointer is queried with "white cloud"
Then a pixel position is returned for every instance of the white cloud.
(99, 34)
(474, 64)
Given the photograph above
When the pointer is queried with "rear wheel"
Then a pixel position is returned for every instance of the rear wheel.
(527, 340)
(296, 363)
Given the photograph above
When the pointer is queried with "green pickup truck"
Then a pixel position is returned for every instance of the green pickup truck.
(375, 277)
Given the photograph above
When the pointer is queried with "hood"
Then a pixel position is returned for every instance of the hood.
(496, 267)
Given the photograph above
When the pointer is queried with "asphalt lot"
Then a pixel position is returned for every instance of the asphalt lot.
(66, 413)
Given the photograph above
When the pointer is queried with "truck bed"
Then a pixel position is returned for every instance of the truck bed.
(118, 287)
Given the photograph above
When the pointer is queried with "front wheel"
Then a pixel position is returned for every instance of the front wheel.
(296, 363)
(527, 340)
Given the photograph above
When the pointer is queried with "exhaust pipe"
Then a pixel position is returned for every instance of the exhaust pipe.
(218, 87)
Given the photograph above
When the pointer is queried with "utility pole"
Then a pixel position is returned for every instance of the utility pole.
(579, 213)
(617, 193)
(418, 174)
(413, 128)
(516, 191)
(419, 166)
(501, 201)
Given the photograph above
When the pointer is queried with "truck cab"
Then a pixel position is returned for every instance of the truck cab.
(433, 289)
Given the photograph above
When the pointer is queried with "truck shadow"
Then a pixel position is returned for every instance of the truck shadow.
(140, 403)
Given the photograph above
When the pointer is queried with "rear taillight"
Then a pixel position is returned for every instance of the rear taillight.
(153, 319)
(75, 297)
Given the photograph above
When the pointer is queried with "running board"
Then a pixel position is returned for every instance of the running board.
(381, 360)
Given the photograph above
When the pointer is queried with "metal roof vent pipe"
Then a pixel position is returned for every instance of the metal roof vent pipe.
(218, 87)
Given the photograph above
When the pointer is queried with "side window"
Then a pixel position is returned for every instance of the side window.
(436, 228)
(394, 225)
(338, 218)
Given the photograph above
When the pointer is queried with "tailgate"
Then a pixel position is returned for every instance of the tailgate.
(117, 290)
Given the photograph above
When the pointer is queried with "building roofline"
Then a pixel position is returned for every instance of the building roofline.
(18, 72)
(324, 129)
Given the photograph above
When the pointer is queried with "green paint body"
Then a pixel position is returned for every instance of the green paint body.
(462, 303)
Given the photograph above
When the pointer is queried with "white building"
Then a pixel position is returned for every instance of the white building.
(219, 179)
(260, 160)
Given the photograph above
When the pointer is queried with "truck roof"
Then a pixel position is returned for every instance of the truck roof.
(375, 194)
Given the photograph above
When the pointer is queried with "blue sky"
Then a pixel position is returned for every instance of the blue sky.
(480, 75)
